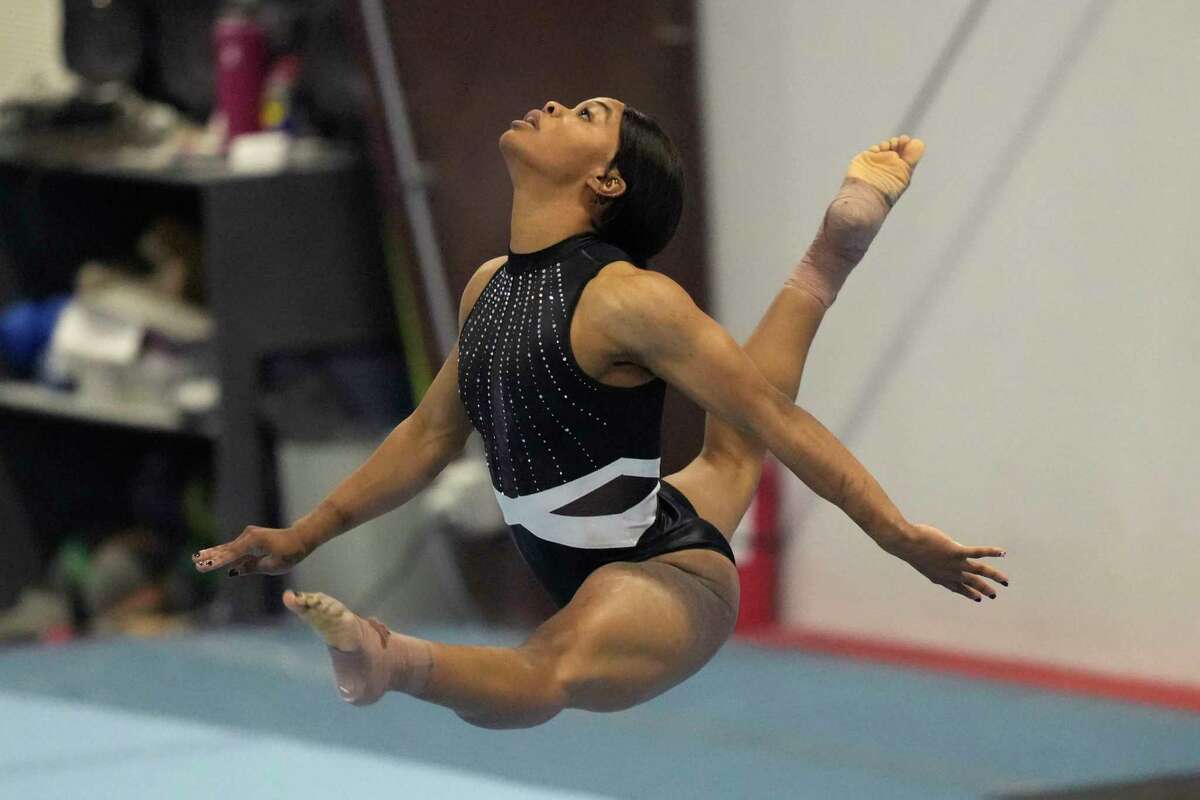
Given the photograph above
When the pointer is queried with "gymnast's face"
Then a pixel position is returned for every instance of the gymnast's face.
(567, 145)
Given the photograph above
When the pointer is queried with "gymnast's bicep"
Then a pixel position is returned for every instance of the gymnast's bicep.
(653, 322)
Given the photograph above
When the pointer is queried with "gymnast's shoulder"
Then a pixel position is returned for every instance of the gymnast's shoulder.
(474, 286)
(624, 292)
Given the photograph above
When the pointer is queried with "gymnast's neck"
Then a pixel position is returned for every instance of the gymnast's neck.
(545, 215)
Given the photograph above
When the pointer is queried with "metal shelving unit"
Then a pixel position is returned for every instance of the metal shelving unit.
(37, 399)
(293, 264)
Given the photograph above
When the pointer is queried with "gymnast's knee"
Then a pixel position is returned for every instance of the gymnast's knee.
(541, 699)
(550, 702)
(583, 688)
(511, 720)
(740, 467)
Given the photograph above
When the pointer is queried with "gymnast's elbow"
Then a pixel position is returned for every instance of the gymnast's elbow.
(427, 445)
(769, 418)
(440, 447)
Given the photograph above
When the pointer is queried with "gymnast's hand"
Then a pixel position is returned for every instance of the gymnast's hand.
(946, 562)
(258, 551)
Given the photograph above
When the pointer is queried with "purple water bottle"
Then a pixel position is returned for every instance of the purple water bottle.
(240, 50)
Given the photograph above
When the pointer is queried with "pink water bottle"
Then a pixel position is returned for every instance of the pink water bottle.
(240, 50)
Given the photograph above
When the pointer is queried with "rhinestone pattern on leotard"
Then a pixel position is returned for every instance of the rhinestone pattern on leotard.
(543, 421)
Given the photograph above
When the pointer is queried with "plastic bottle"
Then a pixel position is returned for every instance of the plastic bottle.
(240, 51)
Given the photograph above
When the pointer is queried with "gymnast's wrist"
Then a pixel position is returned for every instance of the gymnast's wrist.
(317, 527)
(891, 534)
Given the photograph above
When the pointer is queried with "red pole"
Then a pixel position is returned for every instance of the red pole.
(756, 547)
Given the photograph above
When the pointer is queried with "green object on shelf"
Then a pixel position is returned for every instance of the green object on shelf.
(420, 373)
(198, 512)
(202, 532)
(74, 559)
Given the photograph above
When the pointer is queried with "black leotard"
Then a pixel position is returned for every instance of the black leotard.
(574, 462)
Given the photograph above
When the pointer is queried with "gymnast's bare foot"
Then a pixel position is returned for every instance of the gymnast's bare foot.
(888, 166)
(874, 182)
(368, 659)
(336, 624)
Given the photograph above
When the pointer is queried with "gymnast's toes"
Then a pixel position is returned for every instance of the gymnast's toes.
(888, 165)
(336, 624)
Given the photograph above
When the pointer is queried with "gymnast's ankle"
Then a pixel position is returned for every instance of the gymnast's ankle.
(386, 661)
(821, 273)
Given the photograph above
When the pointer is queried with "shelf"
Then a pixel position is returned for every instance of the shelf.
(79, 154)
(37, 399)
(313, 236)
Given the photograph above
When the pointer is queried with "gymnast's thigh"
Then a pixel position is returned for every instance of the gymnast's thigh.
(719, 488)
(634, 630)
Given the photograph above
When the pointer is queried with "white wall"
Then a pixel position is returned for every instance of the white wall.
(1017, 360)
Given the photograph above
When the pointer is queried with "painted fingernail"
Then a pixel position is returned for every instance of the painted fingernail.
(196, 554)
(992, 596)
(978, 599)
(232, 572)
(208, 563)
(1004, 582)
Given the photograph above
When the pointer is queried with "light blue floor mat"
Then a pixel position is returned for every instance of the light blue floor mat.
(254, 710)
(54, 749)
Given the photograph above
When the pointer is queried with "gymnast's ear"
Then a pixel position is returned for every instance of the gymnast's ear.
(607, 187)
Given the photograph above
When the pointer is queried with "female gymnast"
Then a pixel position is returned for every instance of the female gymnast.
(565, 347)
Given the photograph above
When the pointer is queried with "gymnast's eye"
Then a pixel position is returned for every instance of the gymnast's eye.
(585, 111)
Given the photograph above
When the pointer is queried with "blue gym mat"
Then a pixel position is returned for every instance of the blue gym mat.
(253, 711)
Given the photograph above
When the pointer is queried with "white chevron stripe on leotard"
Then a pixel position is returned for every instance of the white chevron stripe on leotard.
(611, 530)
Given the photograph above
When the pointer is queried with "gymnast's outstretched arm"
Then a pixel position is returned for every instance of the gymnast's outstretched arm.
(649, 320)
(405, 462)
(720, 482)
